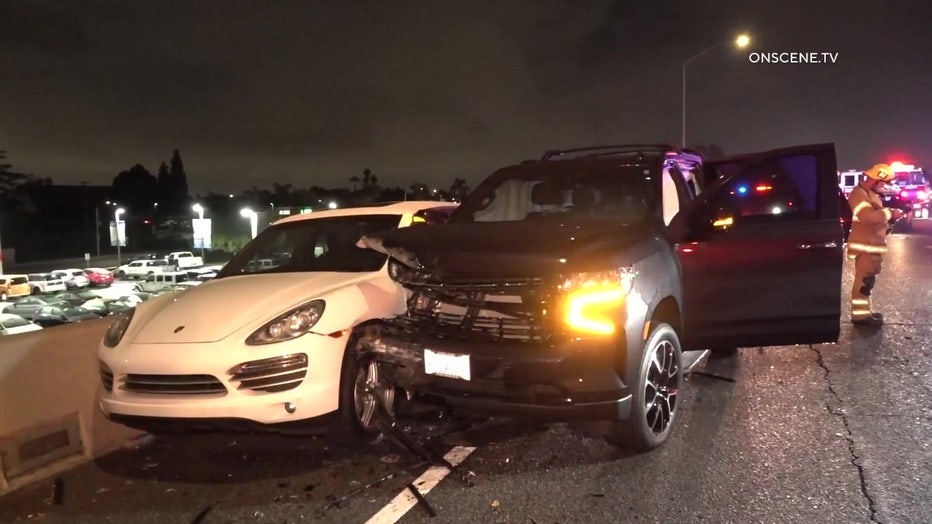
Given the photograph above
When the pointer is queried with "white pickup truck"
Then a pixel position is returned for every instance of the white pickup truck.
(182, 260)
(141, 268)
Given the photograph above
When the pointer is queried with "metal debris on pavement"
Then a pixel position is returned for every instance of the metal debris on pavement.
(200, 516)
(422, 501)
(58, 491)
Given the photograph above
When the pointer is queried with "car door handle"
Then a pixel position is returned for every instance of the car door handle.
(818, 245)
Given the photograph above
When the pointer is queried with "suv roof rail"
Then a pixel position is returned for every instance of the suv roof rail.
(592, 151)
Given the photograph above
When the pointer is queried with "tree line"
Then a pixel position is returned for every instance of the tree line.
(164, 200)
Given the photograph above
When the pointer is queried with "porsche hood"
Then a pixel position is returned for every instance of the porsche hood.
(218, 308)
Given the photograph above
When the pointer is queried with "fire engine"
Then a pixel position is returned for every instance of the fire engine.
(913, 187)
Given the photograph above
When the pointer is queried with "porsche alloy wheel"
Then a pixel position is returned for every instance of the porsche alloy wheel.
(356, 421)
(655, 402)
(369, 391)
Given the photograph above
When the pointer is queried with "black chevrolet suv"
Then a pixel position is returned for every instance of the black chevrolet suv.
(583, 286)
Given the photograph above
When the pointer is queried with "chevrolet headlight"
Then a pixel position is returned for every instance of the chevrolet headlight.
(118, 328)
(290, 325)
(593, 300)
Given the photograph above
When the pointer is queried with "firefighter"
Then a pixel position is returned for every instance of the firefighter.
(867, 242)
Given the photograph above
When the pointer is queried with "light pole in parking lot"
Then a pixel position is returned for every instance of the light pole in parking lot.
(199, 209)
(116, 218)
(741, 42)
(253, 220)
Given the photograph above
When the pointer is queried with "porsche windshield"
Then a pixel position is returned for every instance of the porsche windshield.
(628, 194)
(320, 244)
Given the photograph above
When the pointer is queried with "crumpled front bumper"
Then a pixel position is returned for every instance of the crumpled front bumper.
(575, 380)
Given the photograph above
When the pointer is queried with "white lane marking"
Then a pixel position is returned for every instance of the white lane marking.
(406, 500)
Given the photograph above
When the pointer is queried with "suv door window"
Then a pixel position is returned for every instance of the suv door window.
(783, 189)
(758, 271)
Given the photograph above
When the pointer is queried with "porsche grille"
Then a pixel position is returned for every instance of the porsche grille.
(173, 384)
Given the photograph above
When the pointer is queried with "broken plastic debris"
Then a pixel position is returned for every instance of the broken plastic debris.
(391, 458)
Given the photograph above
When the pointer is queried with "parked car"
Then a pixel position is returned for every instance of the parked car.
(14, 324)
(262, 346)
(583, 286)
(46, 283)
(106, 307)
(142, 268)
(76, 298)
(99, 277)
(73, 278)
(14, 286)
(159, 281)
(48, 316)
(182, 260)
(27, 307)
(203, 273)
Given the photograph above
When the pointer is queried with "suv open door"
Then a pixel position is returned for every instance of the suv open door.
(762, 251)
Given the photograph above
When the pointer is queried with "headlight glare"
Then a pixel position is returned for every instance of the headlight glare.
(290, 325)
(118, 328)
(593, 300)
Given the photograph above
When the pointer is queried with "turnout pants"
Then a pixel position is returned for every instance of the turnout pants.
(866, 269)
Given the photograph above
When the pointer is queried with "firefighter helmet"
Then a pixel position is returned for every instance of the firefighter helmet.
(882, 172)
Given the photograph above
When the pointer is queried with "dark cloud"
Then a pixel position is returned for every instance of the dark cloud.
(313, 92)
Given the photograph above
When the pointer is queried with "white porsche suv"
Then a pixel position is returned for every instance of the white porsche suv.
(263, 346)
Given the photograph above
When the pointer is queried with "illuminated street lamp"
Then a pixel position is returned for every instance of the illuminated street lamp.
(116, 217)
(253, 220)
(199, 209)
(740, 42)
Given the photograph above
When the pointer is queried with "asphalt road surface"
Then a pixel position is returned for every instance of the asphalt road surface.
(828, 433)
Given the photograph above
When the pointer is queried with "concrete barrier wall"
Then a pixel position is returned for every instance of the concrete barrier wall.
(49, 419)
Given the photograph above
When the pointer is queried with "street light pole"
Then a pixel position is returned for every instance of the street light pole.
(741, 42)
(199, 209)
(97, 226)
(116, 216)
(253, 220)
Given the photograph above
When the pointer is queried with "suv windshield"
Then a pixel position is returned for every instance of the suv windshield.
(626, 193)
(320, 244)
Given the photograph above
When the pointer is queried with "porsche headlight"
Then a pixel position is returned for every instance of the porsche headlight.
(593, 300)
(118, 328)
(290, 325)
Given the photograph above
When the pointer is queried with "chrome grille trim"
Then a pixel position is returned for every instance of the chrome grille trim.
(507, 311)
(271, 375)
(106, 377)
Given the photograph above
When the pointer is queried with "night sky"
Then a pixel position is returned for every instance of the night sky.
(313, 92)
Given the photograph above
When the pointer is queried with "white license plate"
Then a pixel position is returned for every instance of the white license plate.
(446, 364)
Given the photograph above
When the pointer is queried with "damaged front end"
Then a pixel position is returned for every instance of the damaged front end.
(498, 345)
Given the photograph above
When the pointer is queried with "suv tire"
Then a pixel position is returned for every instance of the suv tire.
(655, 403)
